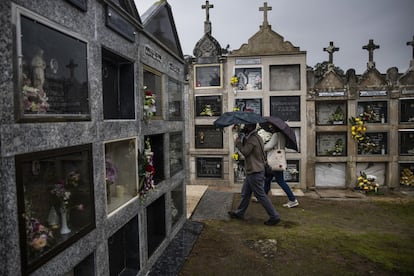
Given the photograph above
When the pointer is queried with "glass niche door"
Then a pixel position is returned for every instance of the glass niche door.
(120, 172)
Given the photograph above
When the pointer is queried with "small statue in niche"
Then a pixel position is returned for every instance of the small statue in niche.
(201, 137)
(38, 69)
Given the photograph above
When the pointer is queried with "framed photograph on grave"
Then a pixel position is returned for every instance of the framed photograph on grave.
(406, 143)
(209, 167)
(123, 249)
(208, 106)
(284, 77)
(285, 107)
(377, 111)
(249, 78)
(153, 83)
(52, 78)
(55, 195)
(292, 172)
(406, 174)
(208, 76)
(406, 110)
(378, 141)
(331, 144)
(121, 172)
(176, 152)
(207, 136)
(175, 100)
(117, 86)
(250, 105)
(331, 113)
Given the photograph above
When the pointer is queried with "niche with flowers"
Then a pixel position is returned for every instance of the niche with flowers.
(52, 77)
(247, 78)
(152, 94)
(120, 172)
(55, 201)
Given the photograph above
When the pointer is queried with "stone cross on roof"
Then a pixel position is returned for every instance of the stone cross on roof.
(331, 49)
(370, 47)
(207, 7)
(264, 9)
(411, 43)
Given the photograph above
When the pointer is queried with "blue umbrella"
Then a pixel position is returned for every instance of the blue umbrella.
(238, 117)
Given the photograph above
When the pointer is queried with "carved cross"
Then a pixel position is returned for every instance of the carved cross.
(411, 43)
(331, 49)
(71, 66)
(370, 47)
(207, 7)
(264, 9)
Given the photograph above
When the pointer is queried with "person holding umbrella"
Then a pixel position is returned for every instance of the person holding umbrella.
(252, 148)
(279, 138)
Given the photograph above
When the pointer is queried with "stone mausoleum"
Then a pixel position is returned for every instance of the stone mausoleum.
(347, 125)
(92, 137)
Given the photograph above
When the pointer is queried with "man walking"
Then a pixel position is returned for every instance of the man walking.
(251, 146)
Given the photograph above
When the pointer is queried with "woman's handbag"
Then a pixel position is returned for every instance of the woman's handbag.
(276, 158)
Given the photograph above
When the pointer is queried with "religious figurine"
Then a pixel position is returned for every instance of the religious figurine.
(38, 69)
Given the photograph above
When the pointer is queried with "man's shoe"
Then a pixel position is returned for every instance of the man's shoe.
(235, 215)
(291, 204)
(254, 199)
(272, 222)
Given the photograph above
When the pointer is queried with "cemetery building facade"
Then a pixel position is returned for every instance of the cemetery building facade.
(337, 146)
(92, 137)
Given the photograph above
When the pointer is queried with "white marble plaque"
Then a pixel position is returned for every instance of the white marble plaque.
(330, 175)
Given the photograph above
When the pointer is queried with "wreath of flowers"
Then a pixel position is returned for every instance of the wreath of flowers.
(359, 129)
(367, 183)
(149, 104)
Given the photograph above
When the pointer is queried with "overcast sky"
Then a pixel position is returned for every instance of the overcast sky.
(308, 24)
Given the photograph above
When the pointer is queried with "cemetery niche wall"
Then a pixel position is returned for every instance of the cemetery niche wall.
(72, 124)
(52, 77)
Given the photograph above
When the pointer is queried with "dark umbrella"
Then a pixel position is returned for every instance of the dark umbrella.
(275, 124)
(238, 117)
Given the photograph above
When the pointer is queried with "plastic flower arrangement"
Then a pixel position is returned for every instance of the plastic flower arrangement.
(146, 171)
(367, 183)
(34, 100)
(63, 195)
(235, 156)
(207, 111)
(358, 132)
(38, 236)
(149, 104)
(337, 117)
(338, 148)
(234, 81)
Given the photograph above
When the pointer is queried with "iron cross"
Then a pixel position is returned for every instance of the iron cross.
(207, 7)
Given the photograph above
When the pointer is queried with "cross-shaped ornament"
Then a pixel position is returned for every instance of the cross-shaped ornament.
(331, 49)
(411, 43)
(370, 47)
(207, 7)
(264, 9)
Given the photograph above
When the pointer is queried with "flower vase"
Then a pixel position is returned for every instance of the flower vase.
(64, 229)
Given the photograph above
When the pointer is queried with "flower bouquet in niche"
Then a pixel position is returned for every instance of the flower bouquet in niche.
(62, 194)
(146, 170)
(149, 104)
(111, 175)
(39, 238)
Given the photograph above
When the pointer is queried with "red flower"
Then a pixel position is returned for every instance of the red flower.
(149, 168)
(148, 93)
